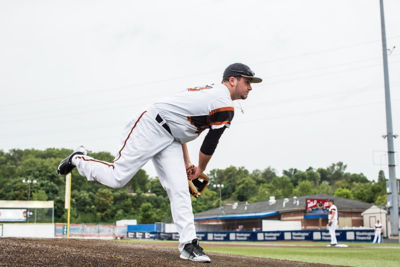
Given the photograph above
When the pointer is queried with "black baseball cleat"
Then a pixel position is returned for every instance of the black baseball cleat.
(193, 251)
(66, 165)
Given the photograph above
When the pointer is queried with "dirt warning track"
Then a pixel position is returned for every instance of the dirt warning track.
(80, 252)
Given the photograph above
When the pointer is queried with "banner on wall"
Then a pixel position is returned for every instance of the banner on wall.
(13, 215)
(317, 204)
(362, 235)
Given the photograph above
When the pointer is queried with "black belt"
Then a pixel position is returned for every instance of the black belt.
(163, 123)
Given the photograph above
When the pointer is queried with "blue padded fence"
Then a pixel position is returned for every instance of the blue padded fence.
(362, 235)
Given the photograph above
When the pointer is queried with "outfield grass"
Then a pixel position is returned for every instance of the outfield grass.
(357, 254)
(350, 256)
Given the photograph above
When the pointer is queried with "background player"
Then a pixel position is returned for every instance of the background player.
(160, 134)
(333, 221)
(378, 232)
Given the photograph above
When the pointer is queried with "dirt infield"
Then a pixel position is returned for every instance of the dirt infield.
(79, 252)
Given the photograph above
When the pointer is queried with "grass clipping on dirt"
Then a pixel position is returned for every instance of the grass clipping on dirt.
(354, 255)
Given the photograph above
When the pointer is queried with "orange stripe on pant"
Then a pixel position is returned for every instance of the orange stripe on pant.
(129, 135)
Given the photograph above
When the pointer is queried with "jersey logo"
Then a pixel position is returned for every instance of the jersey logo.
(199, 88)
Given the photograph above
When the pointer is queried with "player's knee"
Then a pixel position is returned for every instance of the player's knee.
(120, 182)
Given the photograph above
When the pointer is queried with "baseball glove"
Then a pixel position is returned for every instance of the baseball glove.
(329, 223)
(197, 186)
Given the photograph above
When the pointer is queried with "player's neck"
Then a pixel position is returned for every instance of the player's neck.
(231, 90)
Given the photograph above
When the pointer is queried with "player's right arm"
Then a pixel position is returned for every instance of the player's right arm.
(207, 149)
(209, 145)
(332, 215)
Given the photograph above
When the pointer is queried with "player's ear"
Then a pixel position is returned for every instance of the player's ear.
(233, 81)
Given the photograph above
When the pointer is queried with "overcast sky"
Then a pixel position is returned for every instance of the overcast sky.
(75, 72)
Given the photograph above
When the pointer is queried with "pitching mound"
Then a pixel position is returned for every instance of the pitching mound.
(79, 252)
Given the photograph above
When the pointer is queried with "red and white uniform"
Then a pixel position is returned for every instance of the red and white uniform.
(157, 134)
(378, 231)
(333, 216)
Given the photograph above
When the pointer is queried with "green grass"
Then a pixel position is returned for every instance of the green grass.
(357, 254)
(338, 256)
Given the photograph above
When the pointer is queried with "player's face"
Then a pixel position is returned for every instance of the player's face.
(242, 88)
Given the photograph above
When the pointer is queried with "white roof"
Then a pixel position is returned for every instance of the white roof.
(26, 204)
(374, 210)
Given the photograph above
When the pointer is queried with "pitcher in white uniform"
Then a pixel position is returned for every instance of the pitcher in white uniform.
(160, 134)
(333, 222)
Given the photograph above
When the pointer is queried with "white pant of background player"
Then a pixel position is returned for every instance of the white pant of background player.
(377, 237)
(332, 232)
(147, 139)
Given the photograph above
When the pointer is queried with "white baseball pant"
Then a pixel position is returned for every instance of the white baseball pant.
(332, 232)
(377, 237)
(147, 139)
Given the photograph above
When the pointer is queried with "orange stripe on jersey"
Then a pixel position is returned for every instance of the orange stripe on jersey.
(221, 110)
(220, 122)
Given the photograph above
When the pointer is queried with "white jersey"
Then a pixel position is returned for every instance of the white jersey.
(333, 209)
(378, 227)
(195, 109)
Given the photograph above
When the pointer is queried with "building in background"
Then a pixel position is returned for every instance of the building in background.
(310, 211)
(373, 214)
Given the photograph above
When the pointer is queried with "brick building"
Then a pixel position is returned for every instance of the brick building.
(249, 216)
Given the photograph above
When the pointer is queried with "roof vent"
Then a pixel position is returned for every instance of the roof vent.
(295, 201)
(286, 200)
(272, 200)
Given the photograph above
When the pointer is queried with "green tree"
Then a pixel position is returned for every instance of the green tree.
(344, 193)
(325, 188)
(208, 200)
(156, 187)
(39, 195)
(103, 200)
(335, 172)
(83, 201)
(147, 214)
(362, 192)
(247, 187)
(313, 176)
(290, 172)
(230, 177)
(304, 188)
(281, 187)
(139, 182)
(381, 200)
(263, 193)
(268, 174)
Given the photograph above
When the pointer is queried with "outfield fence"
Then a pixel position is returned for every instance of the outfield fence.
(91, 231)
(355, 235)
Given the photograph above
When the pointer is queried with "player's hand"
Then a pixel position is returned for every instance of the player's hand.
(193, 172)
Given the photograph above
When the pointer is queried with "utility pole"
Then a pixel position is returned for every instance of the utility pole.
(220, 186)
(394, 209)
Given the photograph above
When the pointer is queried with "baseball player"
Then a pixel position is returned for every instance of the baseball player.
(160, 134)
(378, 232)
(333, 221)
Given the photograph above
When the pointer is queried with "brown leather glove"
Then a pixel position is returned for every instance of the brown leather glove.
(197, 185)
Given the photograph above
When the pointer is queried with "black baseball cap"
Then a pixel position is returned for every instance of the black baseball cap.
(240, 70)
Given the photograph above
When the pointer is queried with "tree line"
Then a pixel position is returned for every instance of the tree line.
(144, 199)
